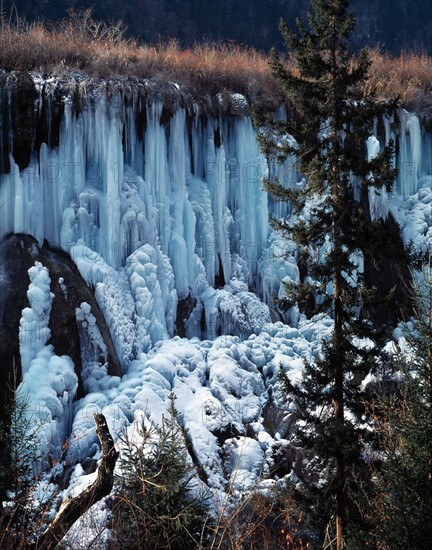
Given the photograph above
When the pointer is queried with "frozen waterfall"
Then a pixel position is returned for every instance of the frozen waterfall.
(169, 202)
(175, 202)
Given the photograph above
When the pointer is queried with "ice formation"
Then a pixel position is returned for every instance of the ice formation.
(188, 189)
(179, 206)
(49, 382)
(168, 222)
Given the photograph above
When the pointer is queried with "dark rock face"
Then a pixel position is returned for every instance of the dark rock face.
(386, 269)
(226, 432)
(63, 309)
(14, 281)
(184, 309)
(17, 254)
(25, 125)
(24, 119)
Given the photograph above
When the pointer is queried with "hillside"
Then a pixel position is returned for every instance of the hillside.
(396, 25)
(80, 44)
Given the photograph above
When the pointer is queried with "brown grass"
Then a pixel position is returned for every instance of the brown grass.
(408, 77)
(82, 44)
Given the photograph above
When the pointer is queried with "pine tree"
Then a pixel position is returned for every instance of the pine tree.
(331, 120)
(401, 509)
(20, 438)
(157, 504)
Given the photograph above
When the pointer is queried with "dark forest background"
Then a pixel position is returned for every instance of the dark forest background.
(395, 25)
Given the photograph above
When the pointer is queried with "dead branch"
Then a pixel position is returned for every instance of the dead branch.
(73, 508)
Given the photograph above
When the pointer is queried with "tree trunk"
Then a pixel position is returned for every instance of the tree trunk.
(339, 415)
(73, 508)
(338, 338)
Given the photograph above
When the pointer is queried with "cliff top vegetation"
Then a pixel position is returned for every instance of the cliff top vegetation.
(82, 44)
(396, 25)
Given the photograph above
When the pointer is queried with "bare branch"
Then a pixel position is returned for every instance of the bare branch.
(73, 508)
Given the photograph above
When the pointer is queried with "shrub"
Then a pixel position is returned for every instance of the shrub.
(154, 505)
(259, 522)
(401, 506)
(20, 516)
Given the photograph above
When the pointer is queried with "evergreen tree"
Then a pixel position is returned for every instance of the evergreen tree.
(19, 436)
(157, 504)
(332, 120)
(401, 509)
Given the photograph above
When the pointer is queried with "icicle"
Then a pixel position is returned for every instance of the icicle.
(378, 200)
(189, 188)
(410, 154)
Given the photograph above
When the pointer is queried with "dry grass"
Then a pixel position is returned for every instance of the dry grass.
(408, 77)
(80, 43)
